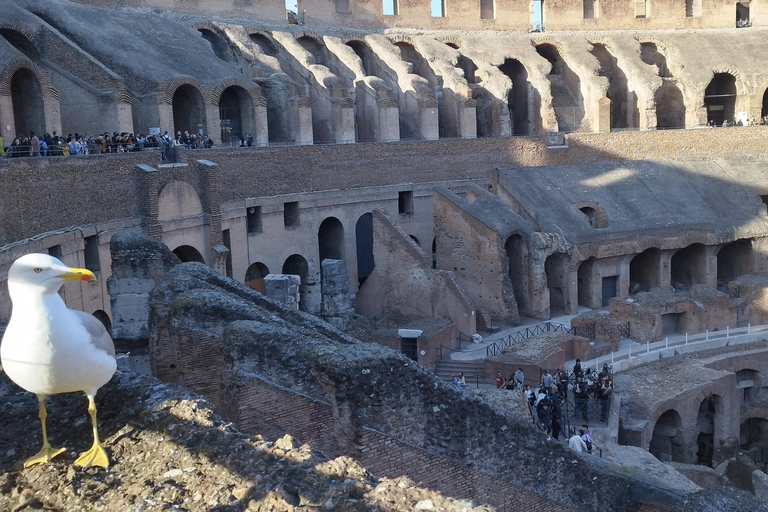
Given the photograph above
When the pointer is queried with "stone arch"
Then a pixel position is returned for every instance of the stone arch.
(519, 101)
(236, 101)
(188, 253)
(264, 42)
(188, 103)
(415, 239)
(177, 200)
(313, 44)
(708, 427)
(254, 276)
(103, 317)
(667, 443)
(364, 244)
(595, 214)
(367, 57)
(645, 271)
(733, 260)
(516, 251)
(670, 106)
(419, 65)
(651, 54)
(555, 270)
(720, 98)
(28, 103)
(218, 42)
(330, 238)
(688, 266)
(624, 110)
(297, 265)
(21, 41)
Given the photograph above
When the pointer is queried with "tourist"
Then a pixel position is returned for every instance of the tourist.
(519, 379)
(545, 416)
(34, 144)
(561, 381)
(604, 396)
(546, 380)
(586, 436)
(499, 380)
(528, 392)
(462, 380)
(555, 420)
(576, 443)
(578, 373)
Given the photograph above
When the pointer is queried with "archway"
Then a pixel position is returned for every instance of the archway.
(314, 47)
(720, 98)
(28, 105)
(254, 276)
(518, 98)
(753, 432)
(566, 89)
(296, 265)
(188, 253)
(370, 62)
(330, 239)
(21, 43)
(235, 105)
(734, 260)
(364, 242)
(555, 268)
(219, 45)
(644, 271)
(264, 43)
(517, 257)
(667, 440)
(650, 54)
(178, 200)
(624, 111)
(689, 266)
(103, 317)
(188, 110)
(670, 106)
(705, 429)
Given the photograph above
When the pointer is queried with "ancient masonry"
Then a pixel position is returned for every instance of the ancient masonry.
(416, 176)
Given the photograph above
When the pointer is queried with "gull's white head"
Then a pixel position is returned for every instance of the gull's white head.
(43, 274)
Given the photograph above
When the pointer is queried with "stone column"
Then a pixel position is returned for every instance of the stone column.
(261, 135)
(301, 120)
(428, 119)
(710, 266)
(52, 113)
(665, 268)
(7, 121)
(149, 193)
(468, 119)
(389, 120)
(165, 112)
(212, 123)
(603, 115)
(343, 121)
(571, 290)
(335, 289)
(283, 288)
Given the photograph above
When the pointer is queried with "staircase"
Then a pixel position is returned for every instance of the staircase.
(447, 368)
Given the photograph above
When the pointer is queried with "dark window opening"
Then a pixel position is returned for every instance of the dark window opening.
(610, 285)
(228, 244)
(405, 202)
(291, 214)
(487, 10)
(589, 9)
(253, 219)
(92, 262)
(409, 348)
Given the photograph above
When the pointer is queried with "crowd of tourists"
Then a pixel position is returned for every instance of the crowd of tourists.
(562, 397)
(54, 144)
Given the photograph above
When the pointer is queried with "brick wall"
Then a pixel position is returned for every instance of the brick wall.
(85, 190)
(261, 407)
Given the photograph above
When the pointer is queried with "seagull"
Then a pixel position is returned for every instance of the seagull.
(48, 349)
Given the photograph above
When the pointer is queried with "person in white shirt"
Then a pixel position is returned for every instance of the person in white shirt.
(576, 443)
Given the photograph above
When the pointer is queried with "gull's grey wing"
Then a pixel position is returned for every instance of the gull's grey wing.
(99, 337)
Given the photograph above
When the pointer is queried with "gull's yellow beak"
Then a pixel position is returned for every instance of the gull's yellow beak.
(78, 274)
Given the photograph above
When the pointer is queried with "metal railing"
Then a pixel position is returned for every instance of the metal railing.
(388, 322)
(498, 347)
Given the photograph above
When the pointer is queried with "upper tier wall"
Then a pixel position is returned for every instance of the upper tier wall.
(45, 194)
(469, 15)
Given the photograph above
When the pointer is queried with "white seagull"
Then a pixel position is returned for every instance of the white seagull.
(49, 349)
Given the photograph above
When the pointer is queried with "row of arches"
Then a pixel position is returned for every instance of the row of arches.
(687, 267)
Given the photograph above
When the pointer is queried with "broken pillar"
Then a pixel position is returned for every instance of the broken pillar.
(335, 288)
(283, 288)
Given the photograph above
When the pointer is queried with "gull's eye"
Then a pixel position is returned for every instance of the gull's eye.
(37, 270)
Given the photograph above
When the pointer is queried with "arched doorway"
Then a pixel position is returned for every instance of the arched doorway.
(667, 441)
(296, 265)
(188, 110)
(670, 106)
(566, 89)
(103, 317)
(720, 98)
(264, 43)
(753, 433)
(517, 257)
(28, 105)
(555, 268)
(364, 242)
(219, 45)
(330, 239)
(188, 253)
(733, 260)
(235, 105)
(705, 428)
(624, 111)
(518, 97)
(254, 276)
(644, 271)
(689, 267)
